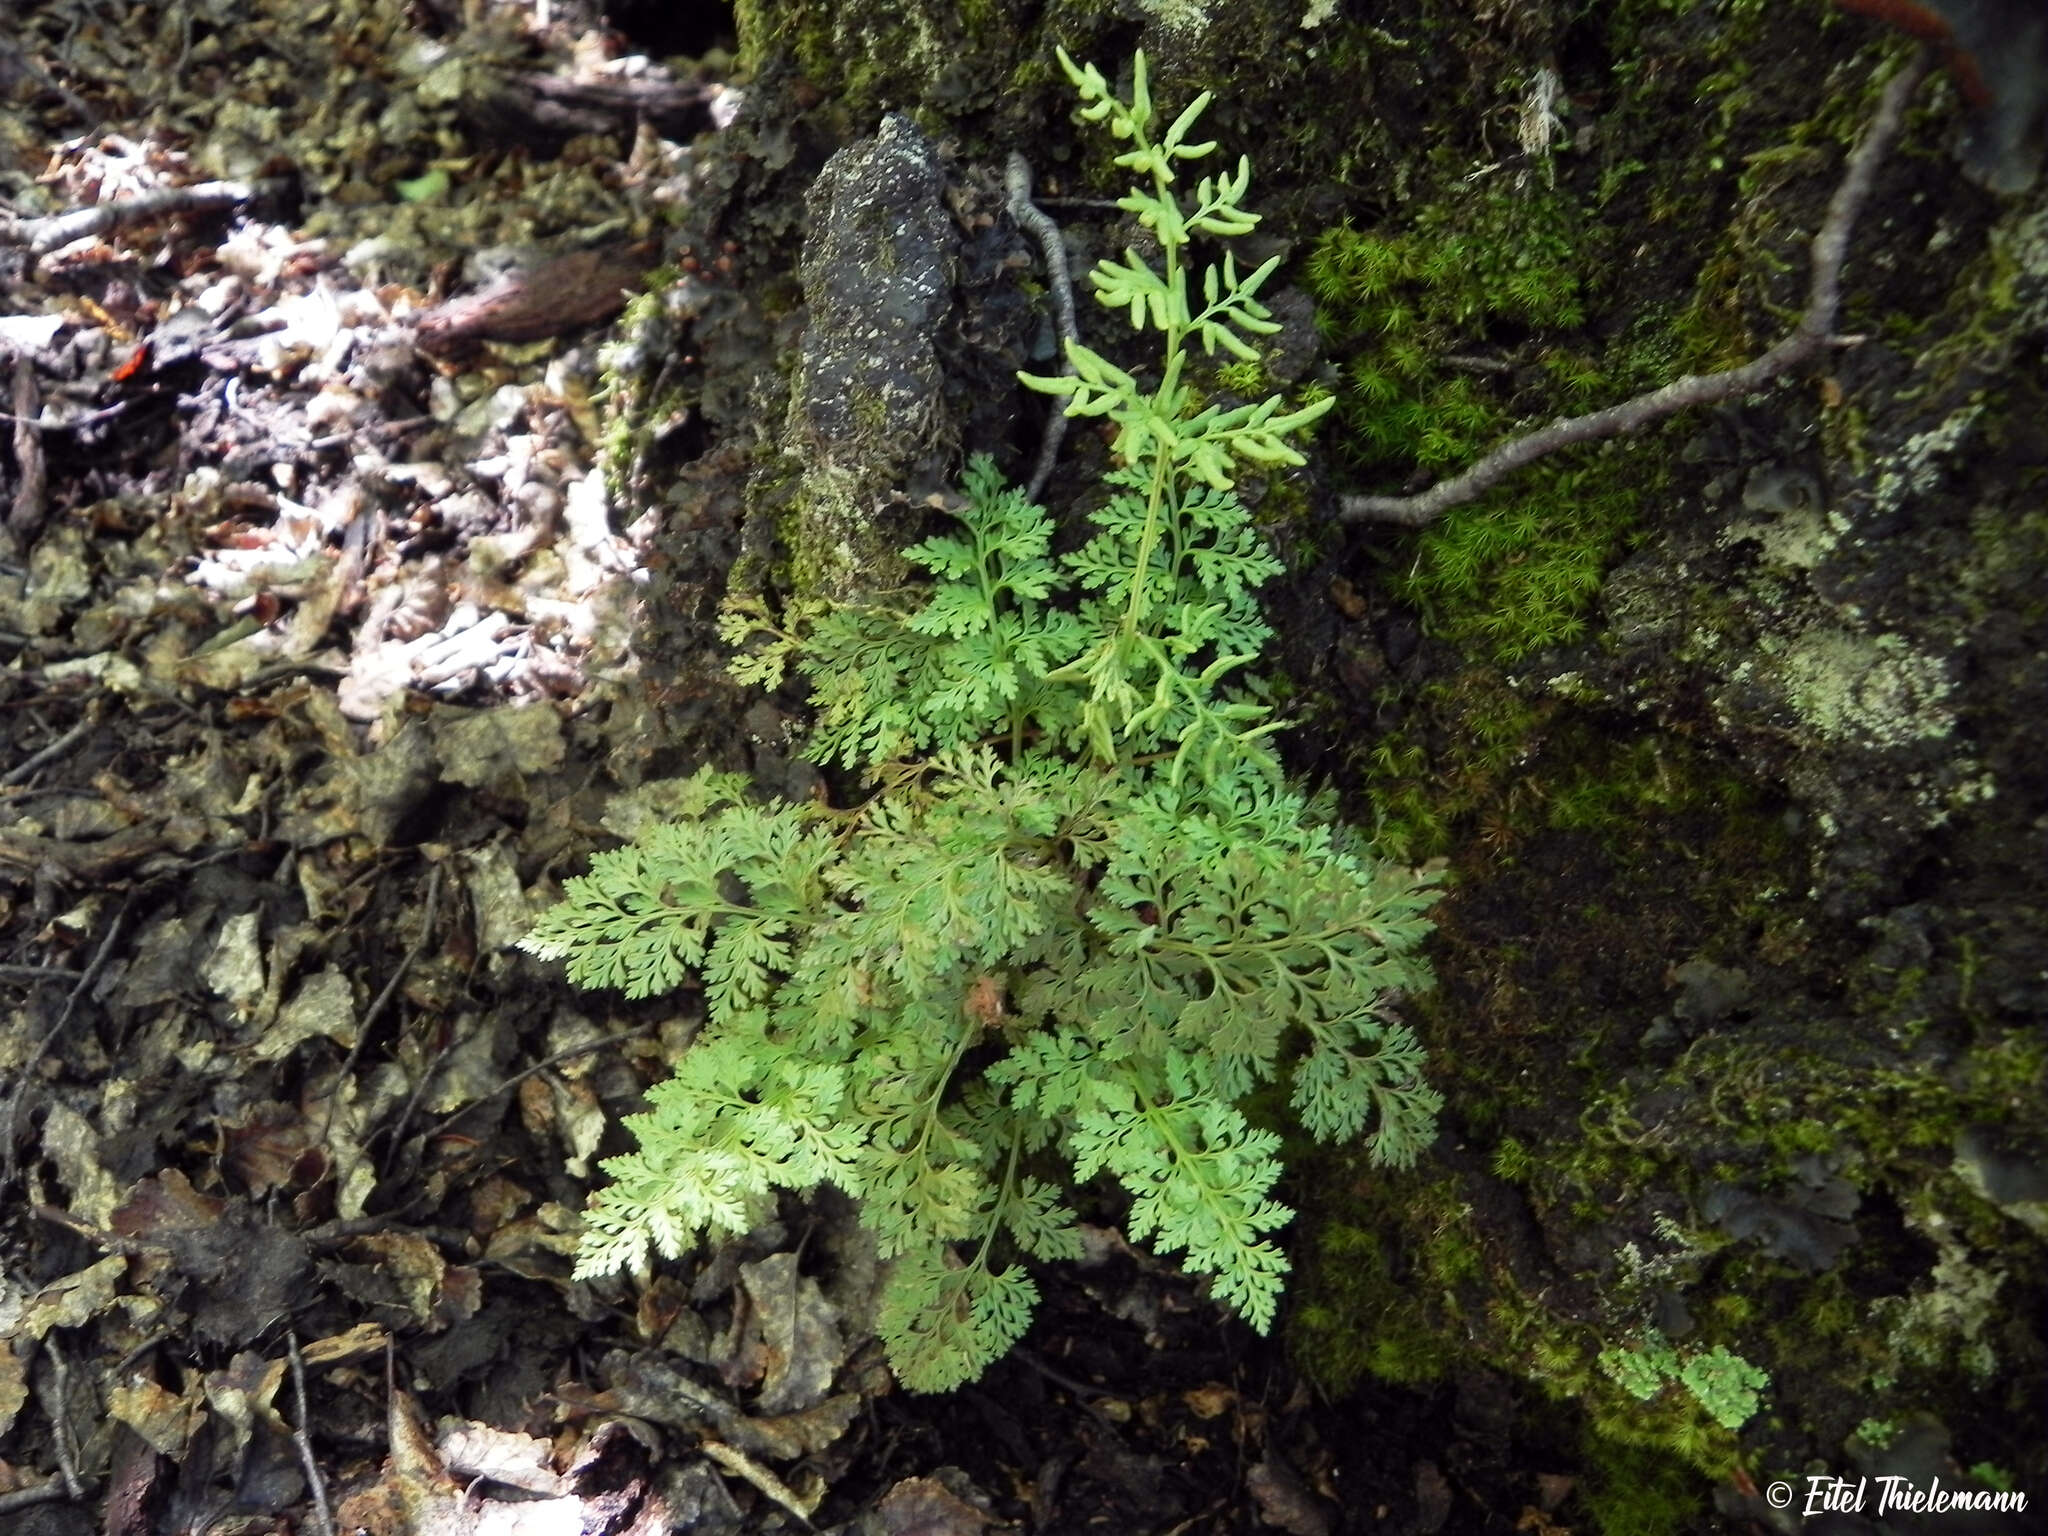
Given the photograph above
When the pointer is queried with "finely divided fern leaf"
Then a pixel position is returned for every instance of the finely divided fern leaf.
(1083, 914)
(1199, 1176)
(944, 1322)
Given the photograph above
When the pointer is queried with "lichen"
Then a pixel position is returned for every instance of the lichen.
(1853, 689)
(1186, 19)
(1917, 467)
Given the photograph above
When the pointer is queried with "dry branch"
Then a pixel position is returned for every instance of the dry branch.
(42, 236)
(1813, 334)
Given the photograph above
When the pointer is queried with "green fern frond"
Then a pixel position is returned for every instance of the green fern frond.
(1083, 914)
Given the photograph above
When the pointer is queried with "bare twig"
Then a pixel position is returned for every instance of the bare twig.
(24, 770)
(355, 1051)
(323, 1518)
(74, 424)
(1017, 182)
(419, 1091)
(62, 1440)
(740, 1464)
(26, 515)
(46, 1492)
(45, 235)
(26, 1072)
(37, 973)
(1809, 338)
(99, 1237)
(79, 107)
(510, 1083)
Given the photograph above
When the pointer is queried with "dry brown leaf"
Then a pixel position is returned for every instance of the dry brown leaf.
(924, 1506)
(359, 1343)
(517, 1461)
(166, 1420)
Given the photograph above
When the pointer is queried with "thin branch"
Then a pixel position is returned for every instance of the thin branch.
(510, 1083)
(25, 770)
(26, 515)
(355, 1051)
(73, 424)
(26, 1072)
(45, 235)
(49, 1491)
(1813, 334)
(1017, 183)
(37, 973)
(412, 1102)
(323, 1517)
(62, 1439)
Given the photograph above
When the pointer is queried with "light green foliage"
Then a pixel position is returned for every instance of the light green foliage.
(1641, 1372)
(1877, 1433)
(1994, 1477)
(1083, 915)
(1724, 1384)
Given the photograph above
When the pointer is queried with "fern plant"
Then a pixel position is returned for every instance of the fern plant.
(1083, 914)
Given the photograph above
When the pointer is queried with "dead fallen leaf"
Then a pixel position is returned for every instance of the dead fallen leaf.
(243, 1274)
(799, 1330)
(359, 1343)
(924, 1506)
(517, 1461)
(166, 1420)
(1284, 1502)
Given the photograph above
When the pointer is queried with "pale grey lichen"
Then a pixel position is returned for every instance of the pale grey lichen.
(1795, 540)
(1187, 19)
(1951, 1317)
(1915, 467)
(1851, 689)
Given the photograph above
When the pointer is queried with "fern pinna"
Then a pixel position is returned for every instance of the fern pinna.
(1084, 913)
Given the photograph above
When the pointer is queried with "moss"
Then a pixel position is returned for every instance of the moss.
(1452, 763)
(1633, 1491)
(628, 371)
(1409, 1281)
(1428, 325)
(1512, 1160)
(1673, 1424)
(1480, 762)
(2002, 576)
(938, 63)
(1353, 1319)
(1248, 378)
(1608, 786)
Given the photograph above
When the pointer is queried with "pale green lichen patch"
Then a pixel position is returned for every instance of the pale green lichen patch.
(1184, 18)
(1871, 691)
(1919, 464)
(1948, 1320)
(1797, 540)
